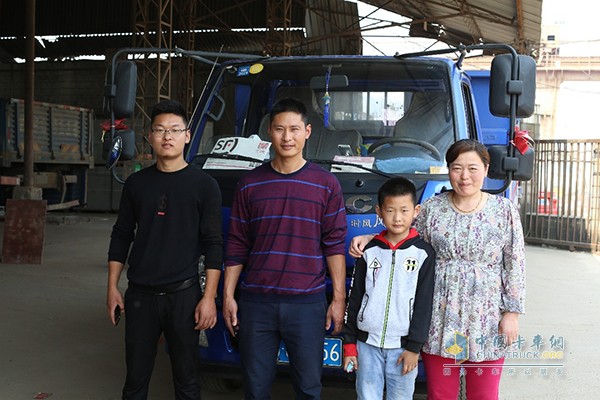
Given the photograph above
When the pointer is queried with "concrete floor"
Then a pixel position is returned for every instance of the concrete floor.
(56, 341)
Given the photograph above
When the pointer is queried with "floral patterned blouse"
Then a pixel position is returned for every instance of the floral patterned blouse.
(479, 274)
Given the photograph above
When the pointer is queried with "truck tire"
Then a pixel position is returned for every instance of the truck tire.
(218, 384)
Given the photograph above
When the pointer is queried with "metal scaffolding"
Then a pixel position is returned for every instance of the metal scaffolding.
(279, 21)
(184, 66)
(155, 27)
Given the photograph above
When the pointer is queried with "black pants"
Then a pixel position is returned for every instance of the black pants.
(146, 317)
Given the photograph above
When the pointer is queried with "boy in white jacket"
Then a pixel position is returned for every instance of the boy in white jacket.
(389, 306)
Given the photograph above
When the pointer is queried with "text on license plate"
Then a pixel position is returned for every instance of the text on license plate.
(332, 353)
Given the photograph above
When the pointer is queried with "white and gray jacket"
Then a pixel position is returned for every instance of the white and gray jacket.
(391, 294)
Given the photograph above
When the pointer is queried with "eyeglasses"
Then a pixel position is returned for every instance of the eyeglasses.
(163, 132)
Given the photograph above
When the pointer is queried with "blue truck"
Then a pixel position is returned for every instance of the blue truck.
(372, 118)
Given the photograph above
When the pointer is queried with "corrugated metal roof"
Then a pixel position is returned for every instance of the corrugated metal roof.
(63, 17)
(514, 22)
(330, 24)
(333, 27)
(215, 23)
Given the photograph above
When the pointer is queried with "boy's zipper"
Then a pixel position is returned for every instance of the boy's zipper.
(388, 299)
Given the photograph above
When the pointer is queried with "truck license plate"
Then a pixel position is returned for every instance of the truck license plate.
(332, 353)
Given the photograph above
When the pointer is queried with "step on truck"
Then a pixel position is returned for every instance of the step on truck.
(372, 117)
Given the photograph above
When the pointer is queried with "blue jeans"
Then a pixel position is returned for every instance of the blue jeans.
(262, 327)
(377, 369)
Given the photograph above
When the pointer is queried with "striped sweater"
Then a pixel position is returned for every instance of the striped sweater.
(281, 228)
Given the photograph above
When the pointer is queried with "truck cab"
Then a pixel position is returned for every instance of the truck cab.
(372, 118)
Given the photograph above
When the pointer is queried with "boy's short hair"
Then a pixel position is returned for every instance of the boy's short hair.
(397, 186)
(169, 107)
(289, 105)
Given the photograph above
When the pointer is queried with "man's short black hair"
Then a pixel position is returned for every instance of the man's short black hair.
(289, 105)
(397, 186)
(169, 107)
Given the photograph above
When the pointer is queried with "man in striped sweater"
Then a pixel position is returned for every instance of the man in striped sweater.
(287, 217)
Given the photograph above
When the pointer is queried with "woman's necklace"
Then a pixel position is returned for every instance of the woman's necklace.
(467, 211)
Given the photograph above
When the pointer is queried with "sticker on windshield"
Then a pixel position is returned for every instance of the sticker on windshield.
(256, 68)
(228, 151)
(244, 70)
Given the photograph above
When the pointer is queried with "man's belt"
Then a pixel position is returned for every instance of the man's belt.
(164, 289)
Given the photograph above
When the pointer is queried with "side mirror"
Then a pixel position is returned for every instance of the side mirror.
(128, 144)
(521, 165)
(114, 152)
(503, 87)
(122, 90)
(121, 148)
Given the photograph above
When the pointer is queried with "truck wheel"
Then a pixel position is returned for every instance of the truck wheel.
(219, 385)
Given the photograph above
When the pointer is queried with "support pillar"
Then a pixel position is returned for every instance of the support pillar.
(25, 218)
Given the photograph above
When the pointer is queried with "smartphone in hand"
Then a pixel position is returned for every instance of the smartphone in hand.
(117, 314)
(350, 367)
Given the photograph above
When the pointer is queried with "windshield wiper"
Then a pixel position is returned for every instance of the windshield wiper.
(334, 162)
(316, 161)
(228, 156)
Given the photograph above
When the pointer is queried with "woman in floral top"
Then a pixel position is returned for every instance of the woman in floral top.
(480, 278)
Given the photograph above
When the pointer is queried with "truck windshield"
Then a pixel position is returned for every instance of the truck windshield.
(395, 116)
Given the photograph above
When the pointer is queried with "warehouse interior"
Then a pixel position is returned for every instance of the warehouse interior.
(75, 42)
